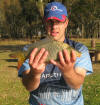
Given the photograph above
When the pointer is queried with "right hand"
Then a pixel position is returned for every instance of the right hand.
(37, 61)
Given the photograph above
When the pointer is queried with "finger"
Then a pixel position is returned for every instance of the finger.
(32, 55)
(39, 55)
(73, 56)
(66, 55)
(43, 58)
(55, 63)
(61, 58)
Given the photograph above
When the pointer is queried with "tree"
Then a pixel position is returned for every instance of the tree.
(23, 18)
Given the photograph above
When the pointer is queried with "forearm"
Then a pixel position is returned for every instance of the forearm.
(30, 81)
(73, 79)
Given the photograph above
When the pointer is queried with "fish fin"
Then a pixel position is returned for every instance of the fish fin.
(79, 55)
(20, 62)
(21, 59)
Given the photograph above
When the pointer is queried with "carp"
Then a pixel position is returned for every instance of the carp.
(51, 45)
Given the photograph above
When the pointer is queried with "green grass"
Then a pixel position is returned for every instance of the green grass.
(91, 87)
(12, 92)
(87, 42)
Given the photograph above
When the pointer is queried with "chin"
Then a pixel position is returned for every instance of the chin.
(55, 38)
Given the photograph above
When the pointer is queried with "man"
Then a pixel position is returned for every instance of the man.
(56, 83)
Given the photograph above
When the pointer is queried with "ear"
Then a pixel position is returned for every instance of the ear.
(66, 23)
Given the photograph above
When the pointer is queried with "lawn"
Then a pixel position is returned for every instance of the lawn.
(12, 91)
(91, 87)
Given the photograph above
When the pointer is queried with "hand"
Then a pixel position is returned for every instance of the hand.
(37, 61)
(66, 63)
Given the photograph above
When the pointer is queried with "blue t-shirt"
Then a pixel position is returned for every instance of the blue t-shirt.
(52, 89)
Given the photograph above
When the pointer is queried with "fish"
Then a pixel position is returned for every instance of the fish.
(52, 46)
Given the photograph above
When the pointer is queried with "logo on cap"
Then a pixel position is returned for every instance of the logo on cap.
(54, 8)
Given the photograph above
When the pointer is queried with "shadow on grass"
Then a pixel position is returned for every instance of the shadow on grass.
(13, 67)
(97, 62)
(11, 47)
(11, 60)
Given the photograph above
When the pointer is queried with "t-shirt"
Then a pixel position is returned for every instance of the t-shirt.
(52, 89)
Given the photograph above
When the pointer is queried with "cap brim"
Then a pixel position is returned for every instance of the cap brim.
(61, 18)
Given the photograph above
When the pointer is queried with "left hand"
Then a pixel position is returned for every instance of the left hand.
(66, 62)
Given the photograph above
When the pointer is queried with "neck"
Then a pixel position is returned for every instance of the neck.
(61, 39)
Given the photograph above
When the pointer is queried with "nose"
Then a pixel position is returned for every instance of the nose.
(54, 25)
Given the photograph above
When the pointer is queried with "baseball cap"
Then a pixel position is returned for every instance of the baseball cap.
(55, 10)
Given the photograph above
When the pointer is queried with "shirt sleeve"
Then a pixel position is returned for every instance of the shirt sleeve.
(84, 61)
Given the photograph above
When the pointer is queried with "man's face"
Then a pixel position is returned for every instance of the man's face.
(56, 29)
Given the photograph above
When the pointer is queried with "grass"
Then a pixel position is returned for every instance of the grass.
(87, 42)
(12, 92)
(91, 89)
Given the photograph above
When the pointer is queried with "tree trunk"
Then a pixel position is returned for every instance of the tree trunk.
(93, 44)
(83, 33)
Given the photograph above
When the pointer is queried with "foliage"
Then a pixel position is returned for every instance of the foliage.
(24, 18)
